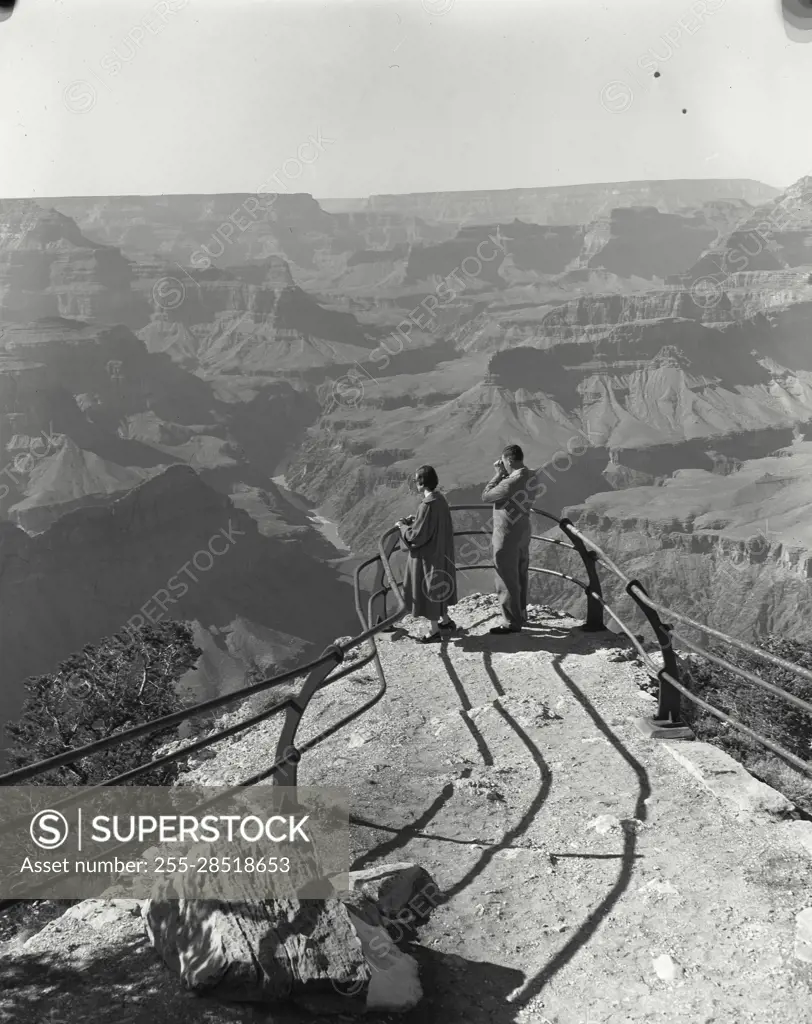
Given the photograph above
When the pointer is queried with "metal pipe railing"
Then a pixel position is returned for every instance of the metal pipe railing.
(668, 722)
(328, 661)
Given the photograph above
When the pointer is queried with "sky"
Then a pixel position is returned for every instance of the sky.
(347, 99)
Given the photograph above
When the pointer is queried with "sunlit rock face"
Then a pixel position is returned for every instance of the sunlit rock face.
(764, 248)
(249, 320)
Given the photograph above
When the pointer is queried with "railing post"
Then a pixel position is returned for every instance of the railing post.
(381, 581)
(286, 750)
(594, 597)
(668, 722)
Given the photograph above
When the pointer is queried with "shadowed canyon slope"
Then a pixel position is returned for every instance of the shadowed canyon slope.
(87, 416)
(171, 548)
(99, 388)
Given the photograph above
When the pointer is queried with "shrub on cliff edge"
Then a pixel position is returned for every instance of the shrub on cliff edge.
(105, 688)
(757, 708)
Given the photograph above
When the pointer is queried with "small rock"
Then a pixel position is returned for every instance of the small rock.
(206, 754)
(666, 969)
(803, 936)
(405, 894)
(663, 888)
(800, 833)
(604, 824)
(480, 789)
(102, 913)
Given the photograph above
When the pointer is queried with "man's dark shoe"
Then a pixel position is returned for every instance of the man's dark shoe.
(502, 630)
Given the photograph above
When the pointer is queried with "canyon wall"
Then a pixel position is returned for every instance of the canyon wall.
(49, 268)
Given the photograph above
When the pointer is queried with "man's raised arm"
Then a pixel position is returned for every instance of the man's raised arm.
(498, 488)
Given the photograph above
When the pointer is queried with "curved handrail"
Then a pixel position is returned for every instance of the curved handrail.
(326, 663)
(671, 688)
(734, 641)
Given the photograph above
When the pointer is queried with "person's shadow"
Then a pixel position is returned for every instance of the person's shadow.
(552, 639)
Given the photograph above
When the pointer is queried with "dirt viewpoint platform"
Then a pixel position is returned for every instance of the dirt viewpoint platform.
(590, 876)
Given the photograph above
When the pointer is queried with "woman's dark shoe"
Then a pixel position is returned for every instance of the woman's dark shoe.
(432, 638)
(502, 630)
(448, 627)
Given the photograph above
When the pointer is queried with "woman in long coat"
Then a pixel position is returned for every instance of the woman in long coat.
(430, 580)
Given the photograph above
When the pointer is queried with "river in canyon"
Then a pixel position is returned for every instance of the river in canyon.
(344, 561)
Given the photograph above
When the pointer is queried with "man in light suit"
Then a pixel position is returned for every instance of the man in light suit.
(512, 491)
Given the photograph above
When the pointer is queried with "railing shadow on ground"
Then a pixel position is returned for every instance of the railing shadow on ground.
(402, 834)
(407, 833)
(587, 929)
(529, 989)
(527, 818)
(465, 708)
(487, 664)
(667, 722)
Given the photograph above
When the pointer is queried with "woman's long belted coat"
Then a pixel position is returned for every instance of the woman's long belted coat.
(430, 580)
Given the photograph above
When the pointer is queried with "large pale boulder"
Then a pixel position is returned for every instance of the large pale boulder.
(727, 780)
(328, 956)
